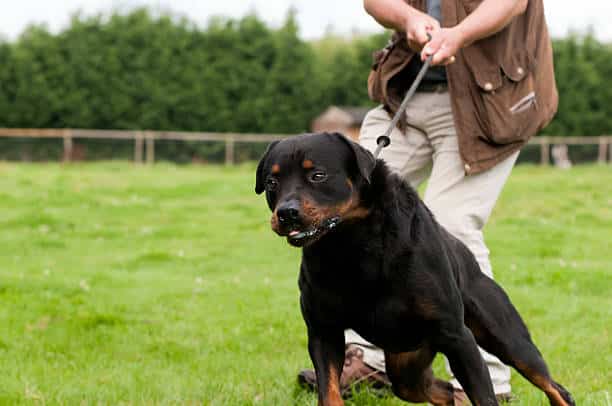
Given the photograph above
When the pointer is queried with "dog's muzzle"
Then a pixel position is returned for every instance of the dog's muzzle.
(289, 214)
(301, 238)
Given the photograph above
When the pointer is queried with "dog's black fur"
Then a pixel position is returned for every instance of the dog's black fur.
(375, 260)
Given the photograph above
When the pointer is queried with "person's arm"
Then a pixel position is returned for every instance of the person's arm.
(490, 17)
(389, 13)
(398, 15)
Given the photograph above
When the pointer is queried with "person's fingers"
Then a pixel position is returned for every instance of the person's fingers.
(432, 27)
(420, 34)
(448, 61)
(431, 47)
(421, 28)
(442, 56)
(435, 27)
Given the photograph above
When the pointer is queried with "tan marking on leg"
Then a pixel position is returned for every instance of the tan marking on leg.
(414, 381)
(544, 384)
(334, 397)
(554, 396)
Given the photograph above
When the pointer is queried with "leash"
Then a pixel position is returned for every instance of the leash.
(384, 140)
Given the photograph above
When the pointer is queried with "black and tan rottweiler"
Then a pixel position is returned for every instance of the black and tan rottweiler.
(374, 259)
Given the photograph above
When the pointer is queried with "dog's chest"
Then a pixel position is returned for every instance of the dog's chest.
(352, 290)
(391, 325)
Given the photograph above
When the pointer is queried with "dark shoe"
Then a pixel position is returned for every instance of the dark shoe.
(354, 373)
(461, 398)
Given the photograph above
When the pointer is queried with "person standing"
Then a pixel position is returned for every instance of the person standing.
(491, 87)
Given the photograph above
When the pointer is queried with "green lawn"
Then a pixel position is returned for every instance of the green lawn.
(164, 285)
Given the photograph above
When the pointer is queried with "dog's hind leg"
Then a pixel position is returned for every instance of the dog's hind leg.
(413, 379)
(499, 329)
(455, 340)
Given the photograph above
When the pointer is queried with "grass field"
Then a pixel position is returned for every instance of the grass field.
(164, 285)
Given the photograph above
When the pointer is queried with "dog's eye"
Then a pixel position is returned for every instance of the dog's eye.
(318, 176)
(271, 184)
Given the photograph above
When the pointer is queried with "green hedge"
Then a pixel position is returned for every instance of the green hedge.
(137, 71)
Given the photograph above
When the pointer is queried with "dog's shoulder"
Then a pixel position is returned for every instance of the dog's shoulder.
(399, 202)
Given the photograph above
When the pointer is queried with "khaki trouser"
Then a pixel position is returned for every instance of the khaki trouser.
(462, 204)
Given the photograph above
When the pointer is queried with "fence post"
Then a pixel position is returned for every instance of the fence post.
(544, 152)
(67, 136)
(603, 151)
(150, 148)
(229, 150)
(138, 147)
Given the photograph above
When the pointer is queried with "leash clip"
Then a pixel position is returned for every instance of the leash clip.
(384, 140)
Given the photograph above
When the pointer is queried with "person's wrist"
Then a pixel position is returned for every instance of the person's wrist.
(461, 35)
(407, 17)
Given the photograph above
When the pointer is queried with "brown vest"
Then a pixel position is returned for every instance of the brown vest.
(502, 87)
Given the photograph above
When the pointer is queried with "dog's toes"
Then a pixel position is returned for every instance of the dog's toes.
(566, 395)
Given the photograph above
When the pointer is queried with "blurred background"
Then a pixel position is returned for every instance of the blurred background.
(257, 67)
(132, 284)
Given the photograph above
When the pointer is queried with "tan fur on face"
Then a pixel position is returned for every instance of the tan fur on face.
(307, 164)
(275, 169)
(274, 223)
(347, 210)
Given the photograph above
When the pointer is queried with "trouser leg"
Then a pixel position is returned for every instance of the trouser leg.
(408, 155)
(462, 204)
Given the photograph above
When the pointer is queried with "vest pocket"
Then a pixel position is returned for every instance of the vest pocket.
(509, 99)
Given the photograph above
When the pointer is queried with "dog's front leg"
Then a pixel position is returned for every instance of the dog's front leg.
(326, 348)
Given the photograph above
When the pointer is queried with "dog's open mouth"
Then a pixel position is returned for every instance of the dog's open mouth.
(299, 238)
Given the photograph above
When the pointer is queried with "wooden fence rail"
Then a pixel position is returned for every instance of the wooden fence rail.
(144, 141)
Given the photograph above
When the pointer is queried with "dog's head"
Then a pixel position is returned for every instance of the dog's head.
(312, 183)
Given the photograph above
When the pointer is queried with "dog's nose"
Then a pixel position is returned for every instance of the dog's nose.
(288, 212)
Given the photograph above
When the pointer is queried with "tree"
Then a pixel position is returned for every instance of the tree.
(139, 71)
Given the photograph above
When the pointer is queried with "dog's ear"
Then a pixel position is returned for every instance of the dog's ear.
(364, 158)
(260, 180)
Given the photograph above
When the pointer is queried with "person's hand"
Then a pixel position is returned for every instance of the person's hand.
(444, 45)
(418, 26)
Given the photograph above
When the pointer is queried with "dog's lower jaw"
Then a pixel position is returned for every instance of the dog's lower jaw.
(309, 237)
(301, 239)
